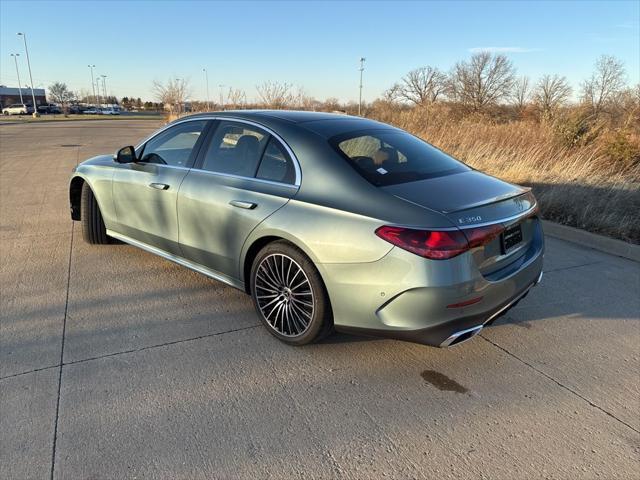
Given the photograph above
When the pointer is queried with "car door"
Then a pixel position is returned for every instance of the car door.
(145, 192)
(243, 175)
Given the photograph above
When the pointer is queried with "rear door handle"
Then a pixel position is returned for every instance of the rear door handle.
(243, 204)
(159, 186)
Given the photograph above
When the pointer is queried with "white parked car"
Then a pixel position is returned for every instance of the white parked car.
(110, 111)
(92, 111)
(17, 109)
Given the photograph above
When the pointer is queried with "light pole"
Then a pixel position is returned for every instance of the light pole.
(206, 81)
(15, 58)
(362, 60)
(33, 95)
(221, 96)
(93, 83)
(104, 88)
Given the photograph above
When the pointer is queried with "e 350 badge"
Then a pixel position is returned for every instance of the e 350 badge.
(472, 219)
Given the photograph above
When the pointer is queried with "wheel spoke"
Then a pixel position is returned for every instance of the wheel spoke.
(268, 277)
(289, 272)
(301, 310)
(302, 325)
(271, 295)
(293, 289)
(303, 302)
(272, 301)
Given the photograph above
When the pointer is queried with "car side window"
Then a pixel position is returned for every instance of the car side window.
(276, 165)
(235, 148)
(173, 147)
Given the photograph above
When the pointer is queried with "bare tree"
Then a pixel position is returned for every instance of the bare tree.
(172, 94)
(422, 85)
(521, 93)
(392, 93)
(60, 93)
(276, 94)
(605, 83)
(482, 81)
(236, 98)
(552, 91)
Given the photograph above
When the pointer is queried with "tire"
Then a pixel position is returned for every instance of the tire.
(281, 282)
(93, 229)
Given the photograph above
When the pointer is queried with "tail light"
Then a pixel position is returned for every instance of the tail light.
(439, 244)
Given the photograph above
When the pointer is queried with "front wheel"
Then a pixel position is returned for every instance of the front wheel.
(93, 228)
(289, 295)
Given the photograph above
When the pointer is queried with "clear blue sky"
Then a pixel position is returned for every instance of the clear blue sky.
(313, 44)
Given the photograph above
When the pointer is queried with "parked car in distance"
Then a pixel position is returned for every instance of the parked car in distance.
(93, 111)
(76, 109)
(328, 221)
(51, 108)
(110, 111)
(17, 109)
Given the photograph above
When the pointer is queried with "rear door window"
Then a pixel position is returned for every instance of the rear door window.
(276, 165)
(235, 149)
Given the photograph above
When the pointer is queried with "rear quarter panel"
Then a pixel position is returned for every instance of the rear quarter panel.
(325, 234)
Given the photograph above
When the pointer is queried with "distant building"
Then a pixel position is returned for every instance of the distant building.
(11, 95)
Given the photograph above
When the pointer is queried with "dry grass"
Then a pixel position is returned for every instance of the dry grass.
(581, 186)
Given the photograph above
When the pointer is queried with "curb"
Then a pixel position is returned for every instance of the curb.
(592, 240)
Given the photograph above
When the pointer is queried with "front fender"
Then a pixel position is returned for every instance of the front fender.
(99, 178)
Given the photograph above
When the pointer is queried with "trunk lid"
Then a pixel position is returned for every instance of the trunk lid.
(471, 199)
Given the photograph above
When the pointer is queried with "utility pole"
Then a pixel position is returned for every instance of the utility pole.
(15, 57)
(206, 81)
(362, 60)
(93, 83)
(33, 95)
(221, 96)
(104, 88)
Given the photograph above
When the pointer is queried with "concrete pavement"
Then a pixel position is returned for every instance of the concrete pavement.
(118, 364)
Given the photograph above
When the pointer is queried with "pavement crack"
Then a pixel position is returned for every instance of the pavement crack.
(174, 342)
(560, 384)
(133, 350)
(64, 328)
(571, 267)
(19, 374)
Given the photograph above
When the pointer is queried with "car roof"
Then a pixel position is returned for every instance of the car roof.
(321, 123)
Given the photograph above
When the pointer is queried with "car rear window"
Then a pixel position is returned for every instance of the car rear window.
(390, 157)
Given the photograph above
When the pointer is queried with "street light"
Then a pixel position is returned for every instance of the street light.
(104, 88)
(206, 81)
(93, 85)
(15, 58)
(33, 95)
(362, 60)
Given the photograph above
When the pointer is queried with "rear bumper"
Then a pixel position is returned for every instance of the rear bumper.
(449, 333)
(405, 297)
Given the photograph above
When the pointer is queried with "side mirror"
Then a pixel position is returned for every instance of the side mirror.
(125, 155)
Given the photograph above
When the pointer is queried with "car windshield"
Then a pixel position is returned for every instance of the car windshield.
(389, 157)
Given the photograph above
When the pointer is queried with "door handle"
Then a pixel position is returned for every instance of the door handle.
(243, 204)
(159, 186)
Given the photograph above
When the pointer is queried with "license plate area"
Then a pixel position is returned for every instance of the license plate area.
(511, 238)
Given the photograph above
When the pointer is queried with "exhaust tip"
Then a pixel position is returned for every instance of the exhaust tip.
(461, 336)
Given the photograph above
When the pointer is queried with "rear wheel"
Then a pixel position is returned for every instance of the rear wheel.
(93, 229)
(289, 295)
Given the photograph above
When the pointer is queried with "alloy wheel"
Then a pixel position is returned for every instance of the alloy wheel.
(284, 295)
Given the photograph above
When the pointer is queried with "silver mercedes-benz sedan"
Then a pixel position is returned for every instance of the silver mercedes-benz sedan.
(329, 222)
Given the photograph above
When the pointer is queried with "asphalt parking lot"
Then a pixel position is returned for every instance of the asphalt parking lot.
(118, 364)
